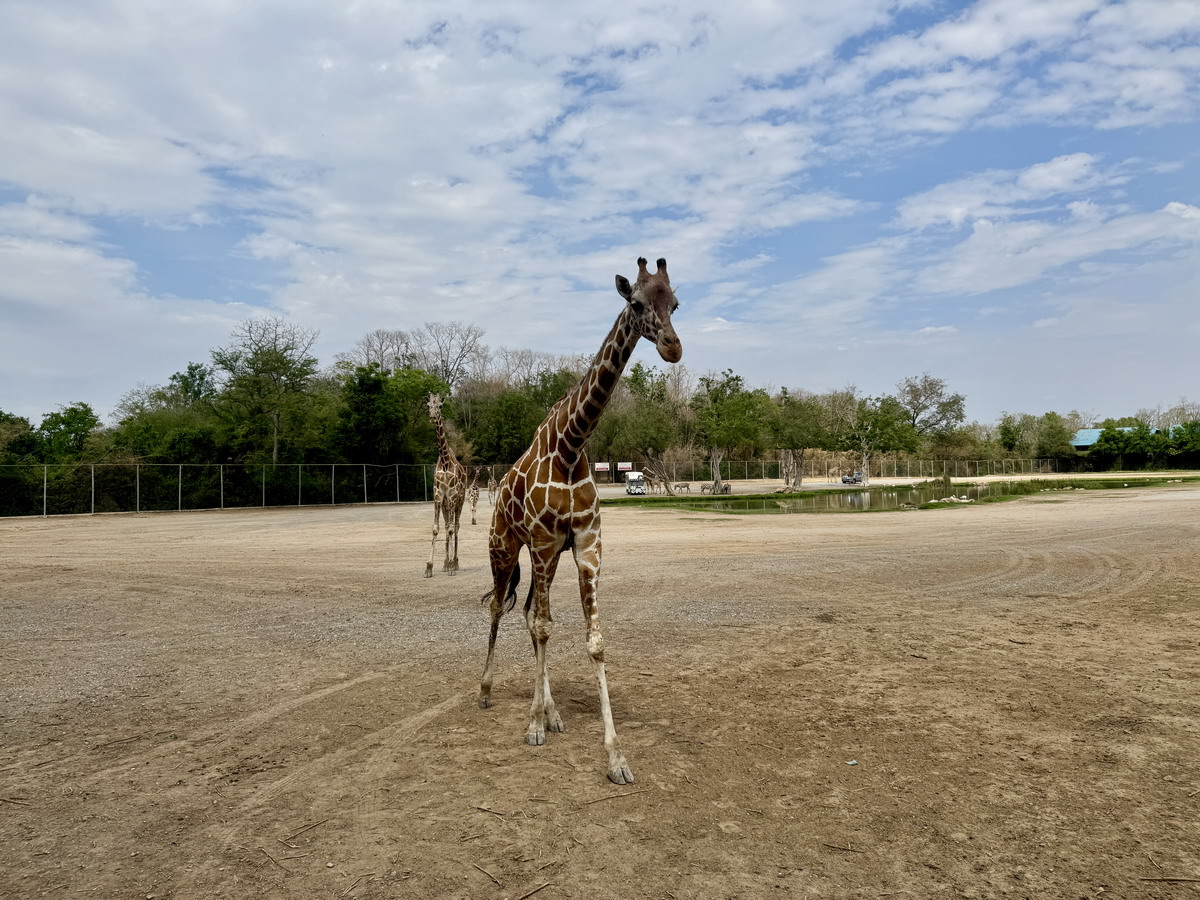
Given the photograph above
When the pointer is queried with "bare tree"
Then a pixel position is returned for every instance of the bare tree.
(389, 348)
(448, 350)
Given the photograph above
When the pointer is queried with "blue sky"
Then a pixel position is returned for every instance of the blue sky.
(1004, 194)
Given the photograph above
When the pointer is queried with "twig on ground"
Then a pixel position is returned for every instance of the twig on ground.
(295, 834)
(488, 874)
(846, 849)
(615, 796)
(272, 859)
(1015, 641)
(356, 881)
(15, 800)
(492, 811)
(1179, 879)
(535, 890)
(1151, 858)
(121, 740)
(286, 844)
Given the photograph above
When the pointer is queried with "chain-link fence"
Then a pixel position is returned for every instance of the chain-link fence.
(49, 490)
(120, 487)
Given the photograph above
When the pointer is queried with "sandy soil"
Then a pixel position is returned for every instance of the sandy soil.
(985, 701)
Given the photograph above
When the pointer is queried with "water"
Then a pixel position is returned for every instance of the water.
(846, 501)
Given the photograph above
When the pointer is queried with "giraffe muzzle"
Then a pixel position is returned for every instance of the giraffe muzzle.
(669, 348)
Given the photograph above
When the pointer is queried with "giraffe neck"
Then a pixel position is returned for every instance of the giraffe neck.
(443, 445)
(584, 404)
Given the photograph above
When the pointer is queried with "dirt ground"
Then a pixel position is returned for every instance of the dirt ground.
(987, 701)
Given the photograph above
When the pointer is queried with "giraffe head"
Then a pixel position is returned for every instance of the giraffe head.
(652, 301)
(435, 405)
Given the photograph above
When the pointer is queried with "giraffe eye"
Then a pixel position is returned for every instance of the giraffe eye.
(637, 305)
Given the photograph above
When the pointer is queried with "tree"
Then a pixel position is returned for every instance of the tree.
(63, 434)
(18, 442)
(384, 418)
(644, 421)
(1017, 433)
(448, 350)
(879, 424)
(387, 348)
(265, 371)
(728, 417)
(930, 409)
(798, 424)
(1054, 436)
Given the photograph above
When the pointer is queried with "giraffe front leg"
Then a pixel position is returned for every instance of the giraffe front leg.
(451, 564)
(543, 716)
(437, 512)
(588, 561)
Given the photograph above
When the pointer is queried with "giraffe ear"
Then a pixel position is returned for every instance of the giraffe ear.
(623, 287)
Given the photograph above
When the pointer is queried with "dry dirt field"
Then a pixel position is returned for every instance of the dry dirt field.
(986, 701)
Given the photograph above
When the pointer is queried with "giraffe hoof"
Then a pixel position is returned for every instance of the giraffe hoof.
(535, 737)
(621, 775)
(554, 723)
(429, 570)
(485, 702)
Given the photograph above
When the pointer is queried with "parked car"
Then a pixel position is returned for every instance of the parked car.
(855, 478)
(635, 483)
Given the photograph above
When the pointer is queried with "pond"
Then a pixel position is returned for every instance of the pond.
(848, 501)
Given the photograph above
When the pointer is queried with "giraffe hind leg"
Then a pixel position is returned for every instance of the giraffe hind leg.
(503, 596)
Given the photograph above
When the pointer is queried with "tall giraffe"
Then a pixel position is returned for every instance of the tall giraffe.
(449, 491)
(547, 502)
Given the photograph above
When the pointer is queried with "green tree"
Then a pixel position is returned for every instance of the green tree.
(643, 421)
(265, 371)
(64, 434)
(384, 418)
(18, 442)
(878, 425)
(799, 423)
(1054, 436)
(728, 418)
(929, 407)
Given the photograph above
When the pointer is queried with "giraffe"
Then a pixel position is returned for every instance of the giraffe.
(449, 490)
(473, 494)
(547, 503)
(491, 487)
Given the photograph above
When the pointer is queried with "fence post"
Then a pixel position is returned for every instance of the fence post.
(424, 483)
(179, 491)
(93, 490)
(397, 482)
(364, 484)
(137, 489)
(299, 485)
(222, 485)
(333, 484)
(264, 486)
(45, 478)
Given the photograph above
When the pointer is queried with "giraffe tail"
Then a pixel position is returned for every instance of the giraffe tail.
(510, 594)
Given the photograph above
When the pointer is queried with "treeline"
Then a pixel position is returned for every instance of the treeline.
(263, 398)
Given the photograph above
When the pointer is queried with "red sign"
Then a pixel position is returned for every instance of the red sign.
(601, 467)
(624, 467)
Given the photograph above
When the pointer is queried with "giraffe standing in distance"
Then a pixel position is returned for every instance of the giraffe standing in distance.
(473, 494)
(449, 491)
(547, 502)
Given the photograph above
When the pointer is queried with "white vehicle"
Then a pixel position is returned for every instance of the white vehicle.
(635, 483)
